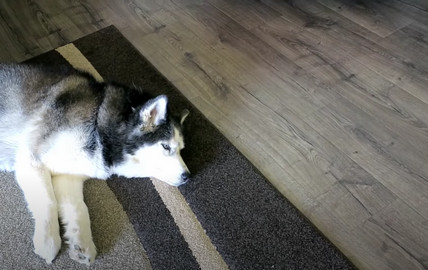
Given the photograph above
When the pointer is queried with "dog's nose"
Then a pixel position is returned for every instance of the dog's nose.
(185, 177)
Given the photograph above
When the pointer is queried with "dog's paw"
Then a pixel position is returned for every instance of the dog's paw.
(47, 247)
(84, 254)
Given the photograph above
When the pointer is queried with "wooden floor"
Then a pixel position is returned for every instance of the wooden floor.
(328, 98)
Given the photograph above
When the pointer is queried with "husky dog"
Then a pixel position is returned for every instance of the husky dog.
(61, 127)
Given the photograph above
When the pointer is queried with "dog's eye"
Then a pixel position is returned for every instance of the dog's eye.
(166, 147)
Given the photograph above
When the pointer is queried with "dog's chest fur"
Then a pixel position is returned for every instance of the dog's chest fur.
(64, 154)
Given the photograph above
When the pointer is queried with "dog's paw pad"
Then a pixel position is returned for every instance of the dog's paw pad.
(82, 255)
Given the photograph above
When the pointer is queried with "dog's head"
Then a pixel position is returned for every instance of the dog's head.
(154, 144)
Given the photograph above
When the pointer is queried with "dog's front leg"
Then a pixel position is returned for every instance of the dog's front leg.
(75, 217)
(35, 181)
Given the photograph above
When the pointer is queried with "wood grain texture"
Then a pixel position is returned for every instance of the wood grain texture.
(327, 98)
(29, 28)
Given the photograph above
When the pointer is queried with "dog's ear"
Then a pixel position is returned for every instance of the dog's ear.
(184, 115)
(153, 113)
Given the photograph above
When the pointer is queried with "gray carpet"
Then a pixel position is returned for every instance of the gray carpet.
(251, 225)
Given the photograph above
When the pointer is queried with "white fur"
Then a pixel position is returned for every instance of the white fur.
(52, 185)
(10, 138)
(75, 217)
(64, 154)
(35, 181)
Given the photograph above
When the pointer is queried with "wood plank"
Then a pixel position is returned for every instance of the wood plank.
(319, 19)
(390, 126)
(412, 36)
(35, 27)
(398, 236)
(417, 162)
(417, 10)
(255, 14)
(361, 148)
(359, 44)
(302, 47)
(371, 15)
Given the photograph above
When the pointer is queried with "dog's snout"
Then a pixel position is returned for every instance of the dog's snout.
(185, 176)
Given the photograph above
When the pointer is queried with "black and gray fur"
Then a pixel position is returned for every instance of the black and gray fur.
(65, 98)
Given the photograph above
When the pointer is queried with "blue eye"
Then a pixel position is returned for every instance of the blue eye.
(166, 147)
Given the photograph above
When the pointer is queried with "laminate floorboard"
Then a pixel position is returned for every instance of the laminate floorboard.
(327, 98)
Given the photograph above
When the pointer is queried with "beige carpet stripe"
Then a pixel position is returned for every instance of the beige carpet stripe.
(202, 248)
(199, 243)
(78, 60)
